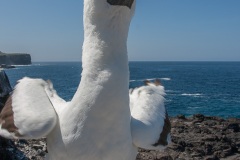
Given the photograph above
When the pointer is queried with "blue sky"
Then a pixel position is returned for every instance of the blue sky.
(162, 30)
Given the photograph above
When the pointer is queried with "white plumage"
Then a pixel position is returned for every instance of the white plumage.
(148, 115)
(34, 116)
(97, 123)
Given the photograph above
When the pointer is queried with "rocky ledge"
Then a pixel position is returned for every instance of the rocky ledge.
(194, 138)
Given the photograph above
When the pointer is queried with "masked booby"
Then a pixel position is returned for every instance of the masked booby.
(104, 120)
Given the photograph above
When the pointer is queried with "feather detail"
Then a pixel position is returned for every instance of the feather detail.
(150, 123)
(28, 113)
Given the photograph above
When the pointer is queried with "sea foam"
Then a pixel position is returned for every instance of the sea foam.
(192, 95)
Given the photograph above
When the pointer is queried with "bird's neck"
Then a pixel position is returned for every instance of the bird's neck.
(105, 74)
(105, 36)
(100, 107)
(101, 102)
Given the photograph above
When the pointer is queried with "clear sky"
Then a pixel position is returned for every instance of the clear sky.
(162, 30)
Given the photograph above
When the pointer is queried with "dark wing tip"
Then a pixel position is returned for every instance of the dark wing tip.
(7, 118)
(163, 139)
(158, 82)
(146, 82)
(131, 90)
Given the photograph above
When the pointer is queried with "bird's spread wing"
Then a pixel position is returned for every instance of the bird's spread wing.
(150, 124)
(28, 112)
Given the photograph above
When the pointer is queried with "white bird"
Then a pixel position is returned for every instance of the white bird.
(102, 121)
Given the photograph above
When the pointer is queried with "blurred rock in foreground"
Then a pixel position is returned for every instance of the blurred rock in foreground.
(5, 88)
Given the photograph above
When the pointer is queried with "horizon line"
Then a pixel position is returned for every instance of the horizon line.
(147, 61)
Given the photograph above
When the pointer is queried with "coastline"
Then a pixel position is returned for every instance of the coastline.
(195, 138)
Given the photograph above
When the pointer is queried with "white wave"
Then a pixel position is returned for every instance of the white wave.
(22, 65)
(29, 65)
(149, 79)
(172, 91)
(4, 69)
(141, 80)
(193, 107)
(132, 80)
(166, 79)
(193, 95)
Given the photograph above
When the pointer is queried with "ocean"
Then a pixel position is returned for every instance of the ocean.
(209, 88)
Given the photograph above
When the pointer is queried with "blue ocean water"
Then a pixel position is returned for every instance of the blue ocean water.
(210, 88)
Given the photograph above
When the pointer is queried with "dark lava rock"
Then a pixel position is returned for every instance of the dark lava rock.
(181, 116)
(212, 157)
(202, 137)
(234, 126)
(205, 140)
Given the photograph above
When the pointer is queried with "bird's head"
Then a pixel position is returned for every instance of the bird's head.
(106, 26)
(127, 3)
(108, 14)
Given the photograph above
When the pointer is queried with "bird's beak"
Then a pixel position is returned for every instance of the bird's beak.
(127, 3)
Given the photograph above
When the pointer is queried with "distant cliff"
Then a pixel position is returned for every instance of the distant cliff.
(15, 58)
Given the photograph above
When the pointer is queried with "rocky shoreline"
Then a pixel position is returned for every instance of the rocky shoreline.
(193, 138)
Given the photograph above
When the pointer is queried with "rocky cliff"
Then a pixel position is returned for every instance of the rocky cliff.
(15, 58)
